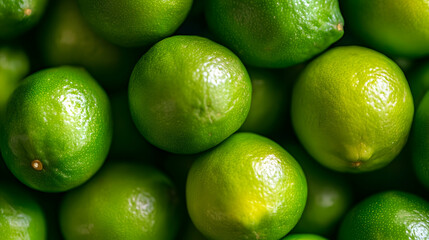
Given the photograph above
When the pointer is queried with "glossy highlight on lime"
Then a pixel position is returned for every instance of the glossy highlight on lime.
(58, 129)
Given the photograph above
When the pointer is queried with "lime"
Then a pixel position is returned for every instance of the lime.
(352, 109)
(187, 94)
(14, 65)
(17, 17)
(21, 215)
(66, 39)
(248, 187)
(133, 23)
(420, 141)
(58, 129)
(418, 77)
(275, 33)
(399, 28)
(303, 237)
(330, 195)
(387, 215)
(268, 101)
(122, 201)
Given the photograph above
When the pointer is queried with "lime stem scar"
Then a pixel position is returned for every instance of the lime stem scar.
(37, 165)
(27, 12)
(340, 27)
(356, 164)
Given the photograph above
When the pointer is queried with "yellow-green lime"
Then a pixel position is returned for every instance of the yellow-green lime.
(352, 109)
(65, 38)
(21, 215)
(133, 23)
(58, 129)
(398, 28)
(248, 187)
(275, 33)
(387, 215)
(188, 93)
(17, 17)
(123, 201)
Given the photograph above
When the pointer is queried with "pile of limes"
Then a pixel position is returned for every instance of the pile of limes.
(214, 119)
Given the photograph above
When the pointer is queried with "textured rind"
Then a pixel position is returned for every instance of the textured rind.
(123, 201)
(275, 33)
(61, 117)
(398, 28)
(352, 109)
(248, 187)
(134, 23)
(187, 94)
(387, 215)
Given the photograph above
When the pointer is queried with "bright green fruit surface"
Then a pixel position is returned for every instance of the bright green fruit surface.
(420, 141)
(133, 23)
(66, 39)
(58, 129)
(352, 109)
(248, 187)
(275, 33)
(399, 28)
(187, 94)
(123, 201)
(21, 216)
(304, 237)
(387, 215)
(18, 16)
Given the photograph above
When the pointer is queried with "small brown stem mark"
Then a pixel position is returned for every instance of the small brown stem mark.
(340, 27)
(356, 164)
(27, 12)
(37, 165)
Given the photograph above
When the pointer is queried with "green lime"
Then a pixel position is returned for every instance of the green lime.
(329, 197)
(14, 65)
(273, 33)
(352, 109)
(17, 17)
(123, 201)
(21, 216)
(303, 237)
(268, 101)
(387, 215)
(133, 23)
(420, 141)
(248, 187)
(418, 78)
(187, 94)
(399, 28)
(66, 39)
(58, 129)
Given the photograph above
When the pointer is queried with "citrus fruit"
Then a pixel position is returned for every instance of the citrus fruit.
(188, 93)
(418, 78)
(352, 109)
(16, 17)
(420, 141)
(268, 102)
(14, 65)
(273, 33)
(329, 196)
(122, 201)
(303, 237)
(133, 23)
(58, 129)
(248, 187)
(387, 215)
(21, 215)
(66, 39)
(399, 28)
